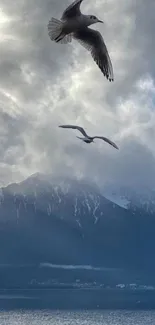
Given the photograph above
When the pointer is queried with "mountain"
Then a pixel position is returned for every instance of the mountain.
(142, 199)
(65, 221)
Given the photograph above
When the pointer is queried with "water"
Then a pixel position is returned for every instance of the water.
(71, 299)
(47, 317)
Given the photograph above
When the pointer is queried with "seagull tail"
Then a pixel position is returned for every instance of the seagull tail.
(55, 31)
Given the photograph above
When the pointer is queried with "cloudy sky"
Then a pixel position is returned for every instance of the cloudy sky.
(44, 84)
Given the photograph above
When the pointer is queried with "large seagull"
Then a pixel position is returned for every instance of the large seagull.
(87, 138)
(74, 24)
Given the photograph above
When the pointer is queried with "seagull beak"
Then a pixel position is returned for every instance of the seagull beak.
(100, 21)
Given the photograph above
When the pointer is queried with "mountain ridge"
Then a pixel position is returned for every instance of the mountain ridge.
(65, 221)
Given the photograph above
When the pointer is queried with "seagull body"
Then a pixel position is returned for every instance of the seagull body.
(74, 24)
(86, 138)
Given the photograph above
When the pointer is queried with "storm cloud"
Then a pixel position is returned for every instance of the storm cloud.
(44, 84)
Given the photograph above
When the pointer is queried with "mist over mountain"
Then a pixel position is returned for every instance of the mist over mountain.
(45, 220)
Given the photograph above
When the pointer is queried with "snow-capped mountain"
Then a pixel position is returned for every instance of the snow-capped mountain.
(68, 199)
(47, 220)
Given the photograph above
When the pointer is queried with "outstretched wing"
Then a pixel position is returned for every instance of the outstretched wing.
(72, 10)
(107, 140)
(93, 41)
(74, 127)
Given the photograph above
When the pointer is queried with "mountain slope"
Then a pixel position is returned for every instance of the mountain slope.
(70, 222)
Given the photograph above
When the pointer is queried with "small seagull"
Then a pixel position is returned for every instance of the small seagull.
(74, 24)
(87, 138)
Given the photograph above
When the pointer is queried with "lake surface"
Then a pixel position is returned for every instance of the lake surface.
(48, 317)
(81, 299)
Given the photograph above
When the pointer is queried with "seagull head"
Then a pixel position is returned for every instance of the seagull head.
(94, 20)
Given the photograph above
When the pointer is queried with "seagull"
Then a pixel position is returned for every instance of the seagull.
(87, 138)
(74, 24)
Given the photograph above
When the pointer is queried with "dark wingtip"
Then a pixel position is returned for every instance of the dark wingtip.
(115, 146)
(110, 79)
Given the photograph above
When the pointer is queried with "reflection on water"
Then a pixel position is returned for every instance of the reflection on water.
(47, 317)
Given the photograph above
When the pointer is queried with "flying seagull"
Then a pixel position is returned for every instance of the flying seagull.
(74, 24)
(87, 138)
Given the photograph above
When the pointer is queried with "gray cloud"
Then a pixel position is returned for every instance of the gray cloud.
(43, 84)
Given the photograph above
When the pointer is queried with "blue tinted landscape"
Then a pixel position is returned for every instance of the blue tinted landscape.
(65, 239)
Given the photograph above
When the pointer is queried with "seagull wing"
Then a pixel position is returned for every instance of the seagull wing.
(75, 127)
(72, 10)
(107, 140)
(93, 41)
